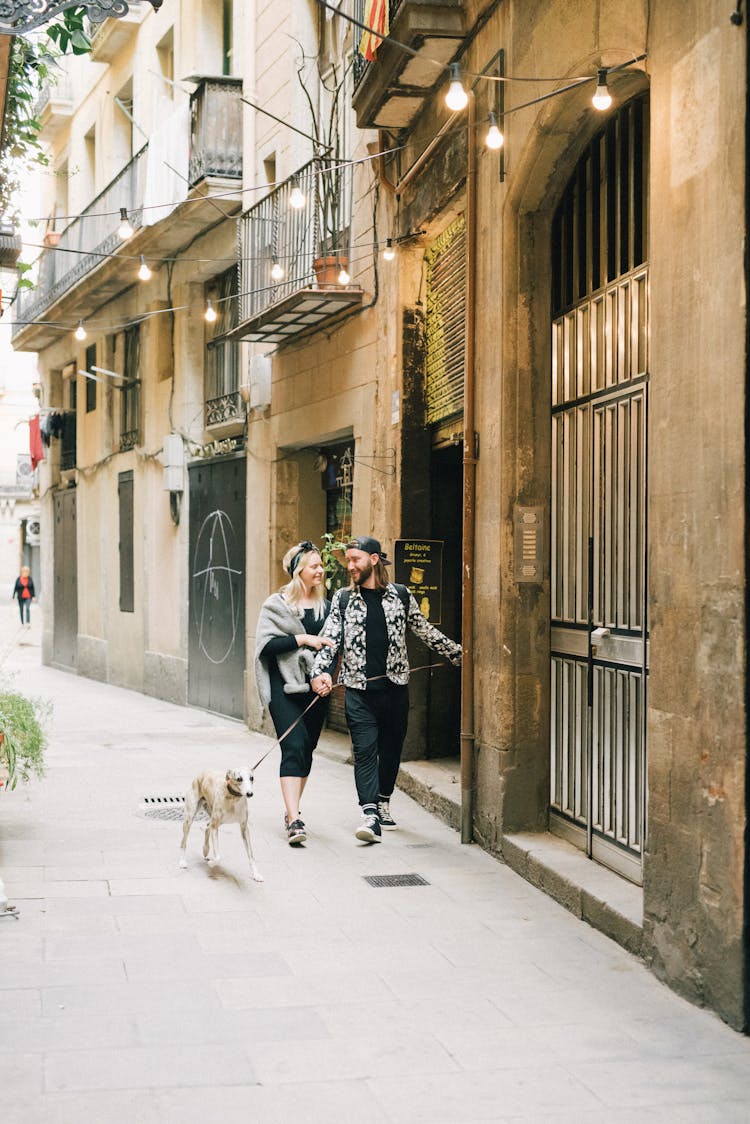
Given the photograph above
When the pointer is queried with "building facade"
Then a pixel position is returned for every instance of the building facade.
(547, 381)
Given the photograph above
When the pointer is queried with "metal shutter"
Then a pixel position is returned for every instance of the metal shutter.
(445, 327)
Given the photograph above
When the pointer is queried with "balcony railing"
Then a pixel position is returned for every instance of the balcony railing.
(359, 62)
(90, 237)
(216, 129)
(215, 150)
(273, 233)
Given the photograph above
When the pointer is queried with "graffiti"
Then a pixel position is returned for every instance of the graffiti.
(217, 590)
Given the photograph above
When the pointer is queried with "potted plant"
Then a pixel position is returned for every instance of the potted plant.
(331, 553)
(23, 738)
(333, 178)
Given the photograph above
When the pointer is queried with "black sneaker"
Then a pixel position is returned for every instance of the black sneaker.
(296, 833)
(384, 814)
(369, 830)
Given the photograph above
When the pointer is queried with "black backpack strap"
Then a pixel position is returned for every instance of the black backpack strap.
(404, 594)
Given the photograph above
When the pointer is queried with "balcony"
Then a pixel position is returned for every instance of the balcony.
(390, 92)
(85, 260)
(276, 309)
(54, 107)
(111, 36)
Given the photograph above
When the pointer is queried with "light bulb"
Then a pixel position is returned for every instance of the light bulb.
(277, 271)
(210, 313)
(494, 138)
(344, 277)
(296, 199)
(80, 332)
(456, 98)
(389, 252)
(125, 228)
(602, 98)
(144, 272)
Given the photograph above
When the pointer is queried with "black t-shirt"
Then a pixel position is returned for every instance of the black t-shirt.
(377, 639)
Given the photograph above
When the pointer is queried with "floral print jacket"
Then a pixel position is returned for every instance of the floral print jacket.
(349, 636)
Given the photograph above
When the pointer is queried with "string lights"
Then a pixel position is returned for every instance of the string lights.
(344, 278)
(456, 99)
(296, 197)
(125, 228)
(80, 332)
(210, 314)
(602, 98)
(494, 138)
(389, 252)
(144, 272)
(277, 271)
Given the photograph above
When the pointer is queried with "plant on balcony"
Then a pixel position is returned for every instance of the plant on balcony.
(328, 132)
(23, 739)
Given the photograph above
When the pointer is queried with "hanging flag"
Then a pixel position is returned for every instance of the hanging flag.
(376, 17)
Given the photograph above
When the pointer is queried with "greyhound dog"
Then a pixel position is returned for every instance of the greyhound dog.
(225, 799)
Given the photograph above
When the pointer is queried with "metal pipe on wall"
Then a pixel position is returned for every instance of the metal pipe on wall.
(469, 497)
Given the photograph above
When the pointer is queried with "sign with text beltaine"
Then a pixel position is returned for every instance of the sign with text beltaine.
(419, 565)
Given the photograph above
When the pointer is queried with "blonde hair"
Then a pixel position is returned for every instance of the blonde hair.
(294, 591)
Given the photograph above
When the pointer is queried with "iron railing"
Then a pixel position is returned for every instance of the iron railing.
(60, 90)
(216, 129)
(360, 65)
(215, 150)
(274, 232)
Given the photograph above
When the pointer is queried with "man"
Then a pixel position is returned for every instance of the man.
(368, 624)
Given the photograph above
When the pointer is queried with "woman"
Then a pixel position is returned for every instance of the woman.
(286, 638)
(24, 591)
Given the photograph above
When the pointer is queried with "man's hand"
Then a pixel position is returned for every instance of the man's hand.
(322, 684)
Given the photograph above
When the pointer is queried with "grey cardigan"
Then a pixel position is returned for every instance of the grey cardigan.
(276, 618)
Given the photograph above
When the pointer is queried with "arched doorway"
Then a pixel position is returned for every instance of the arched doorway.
(599, 653)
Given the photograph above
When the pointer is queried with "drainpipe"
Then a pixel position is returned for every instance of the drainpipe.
(469, 497)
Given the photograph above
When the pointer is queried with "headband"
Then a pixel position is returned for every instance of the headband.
(303, 548)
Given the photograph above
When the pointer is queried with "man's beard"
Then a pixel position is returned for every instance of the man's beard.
(362, 575)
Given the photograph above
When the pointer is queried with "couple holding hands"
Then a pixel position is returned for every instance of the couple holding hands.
(300, 634)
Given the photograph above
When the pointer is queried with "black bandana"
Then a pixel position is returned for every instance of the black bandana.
(302, 549)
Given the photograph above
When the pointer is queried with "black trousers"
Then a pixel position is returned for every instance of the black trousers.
(297, 747)
(377, 722)
(27, 605)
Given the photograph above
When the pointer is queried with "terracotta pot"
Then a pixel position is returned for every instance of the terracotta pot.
(51, 239)
(327, 270)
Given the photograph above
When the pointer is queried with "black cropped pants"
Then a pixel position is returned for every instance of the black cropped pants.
(377, 722)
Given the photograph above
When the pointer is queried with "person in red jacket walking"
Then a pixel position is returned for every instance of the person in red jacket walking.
(24, 591)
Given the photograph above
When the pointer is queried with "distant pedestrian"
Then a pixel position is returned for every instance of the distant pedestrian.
(368, 623)
(286, 637)
(24, 591)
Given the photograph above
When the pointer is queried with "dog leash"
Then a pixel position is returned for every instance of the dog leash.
(287, 732)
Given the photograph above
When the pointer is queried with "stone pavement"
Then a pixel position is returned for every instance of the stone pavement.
(131, 991)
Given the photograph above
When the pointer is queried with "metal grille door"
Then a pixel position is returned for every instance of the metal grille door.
(65, 631)
(216, 650)
(599, 648)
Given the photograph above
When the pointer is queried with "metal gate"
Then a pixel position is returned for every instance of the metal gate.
(65, 620)
(599, 640)
(216, 646)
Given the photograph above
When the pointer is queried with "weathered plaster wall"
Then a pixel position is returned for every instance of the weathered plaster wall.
(697, 719)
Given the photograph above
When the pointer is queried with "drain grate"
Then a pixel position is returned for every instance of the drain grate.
(168, 808)
(396, 880)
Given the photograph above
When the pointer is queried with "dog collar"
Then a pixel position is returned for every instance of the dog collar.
(232, 791)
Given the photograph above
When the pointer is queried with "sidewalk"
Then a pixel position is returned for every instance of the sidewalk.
(131, 991)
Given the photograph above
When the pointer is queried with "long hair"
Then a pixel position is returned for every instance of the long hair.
(294, 591)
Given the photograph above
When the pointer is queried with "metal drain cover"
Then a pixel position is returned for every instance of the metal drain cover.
(396, 880)
(168, 808)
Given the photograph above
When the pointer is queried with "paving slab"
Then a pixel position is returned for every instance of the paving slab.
(131, 990)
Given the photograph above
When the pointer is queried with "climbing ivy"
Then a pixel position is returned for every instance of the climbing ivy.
(33, 61)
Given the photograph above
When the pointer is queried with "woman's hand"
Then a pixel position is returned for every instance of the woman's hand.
(322, 684)
(307, 640)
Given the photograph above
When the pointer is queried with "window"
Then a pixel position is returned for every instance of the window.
(121, 147)
(269, 168)
(130, 390)
(89, 170)
(226, 37)
(165, 56)
(125, 499)
(90, 383)
(222, 356)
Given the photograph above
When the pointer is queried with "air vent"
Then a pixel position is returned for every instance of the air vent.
(396, 880)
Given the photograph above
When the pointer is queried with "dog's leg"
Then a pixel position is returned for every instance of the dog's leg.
(244, 829)
(211, 845)
(191, 807)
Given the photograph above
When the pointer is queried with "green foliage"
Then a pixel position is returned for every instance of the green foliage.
(24, 738)
(33, 62)
(334, 569)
